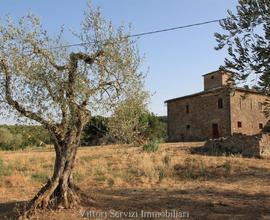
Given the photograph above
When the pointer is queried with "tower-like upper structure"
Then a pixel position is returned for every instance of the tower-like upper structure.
(217, 79)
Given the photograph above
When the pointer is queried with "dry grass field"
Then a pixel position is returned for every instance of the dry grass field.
(124, 178)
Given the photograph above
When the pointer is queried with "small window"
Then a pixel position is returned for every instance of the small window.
(261, 125)
(220, 103)
(188, 127)
(187, 109)
(212, 77)
(239, 124)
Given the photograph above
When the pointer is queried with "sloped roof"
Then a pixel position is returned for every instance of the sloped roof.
(215, 90)
(222, 71)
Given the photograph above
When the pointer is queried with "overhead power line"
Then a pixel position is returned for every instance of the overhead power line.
(175, 28)
(149, 32)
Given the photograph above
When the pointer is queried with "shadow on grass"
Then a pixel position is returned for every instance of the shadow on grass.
(10, 210)
(200, 202)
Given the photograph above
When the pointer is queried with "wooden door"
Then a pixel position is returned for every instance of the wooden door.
(215, 131)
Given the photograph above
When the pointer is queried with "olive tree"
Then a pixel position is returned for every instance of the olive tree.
(246, 37)
(46, 82)
(128, 122)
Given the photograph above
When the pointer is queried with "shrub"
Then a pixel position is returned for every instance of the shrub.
(151, 146)
(156, 127)
(95, 131)
(128, 121)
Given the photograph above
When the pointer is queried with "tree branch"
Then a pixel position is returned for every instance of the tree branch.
(73, 63)
(8, 96)
(89, 59)
(41, 52)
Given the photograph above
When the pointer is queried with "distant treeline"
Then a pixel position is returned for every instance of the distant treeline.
(14, 137)
(96, 132)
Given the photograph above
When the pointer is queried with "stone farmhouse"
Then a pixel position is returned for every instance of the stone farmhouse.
(219, 111)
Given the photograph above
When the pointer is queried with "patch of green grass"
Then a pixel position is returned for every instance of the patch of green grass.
(161, 175)
(40, 177)
(110, 182)
(151, 146)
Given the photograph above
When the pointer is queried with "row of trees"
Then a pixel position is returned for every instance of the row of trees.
(96, 132)
(15, 137)
(149, 128)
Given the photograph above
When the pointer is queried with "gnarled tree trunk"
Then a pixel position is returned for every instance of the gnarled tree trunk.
(60, 191)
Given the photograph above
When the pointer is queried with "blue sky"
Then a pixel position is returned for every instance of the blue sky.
(176, 59)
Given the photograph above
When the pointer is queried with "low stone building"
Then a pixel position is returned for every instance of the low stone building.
(219, 111)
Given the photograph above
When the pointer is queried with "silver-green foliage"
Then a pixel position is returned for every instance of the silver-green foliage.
(127, 124)
(247, 37)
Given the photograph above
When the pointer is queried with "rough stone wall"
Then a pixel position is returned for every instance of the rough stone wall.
(265, 145)
(212, 81)
(215, 80)
(250, 146)
(203, 112)
(245, 108)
